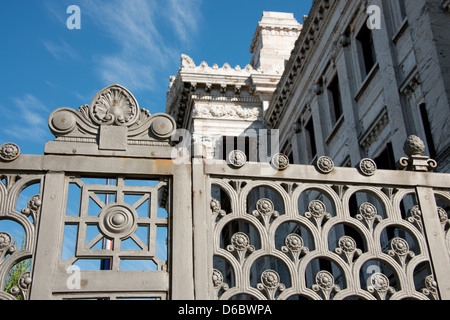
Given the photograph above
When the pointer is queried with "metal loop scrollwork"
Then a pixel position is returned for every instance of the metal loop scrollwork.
(378, 285)
(347, 248)
(6, 246)
(270, 283)
(240, 243)
(265, 210)
(325, 284)
(368, 214)
(317, 212)
(23, 286)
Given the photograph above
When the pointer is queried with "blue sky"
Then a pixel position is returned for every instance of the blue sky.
(135, 43)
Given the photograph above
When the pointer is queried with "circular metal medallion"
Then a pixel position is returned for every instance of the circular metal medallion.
(9, 152)
(118, 220)
(237, 158)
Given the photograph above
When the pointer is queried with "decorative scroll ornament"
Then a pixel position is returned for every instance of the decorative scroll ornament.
(237, 158)
(33, 208)
(443, 216)
(163, 126)
(368, 167)
(295, 246)
(9, 152)
(114, 105)
(63, 121)
(400, 250)
(378, 285)
(270, 283)
(280, 161)
(217, 208)
(265, 210)
(112, 122)
(23, 286)
(325, 164)
(240, 243)
(368, 214)
(217, 279)
(347, 248)
(415, 217)
(6, 246)
(416, 161)
(317, 211)
(325, 284)
(430, 289)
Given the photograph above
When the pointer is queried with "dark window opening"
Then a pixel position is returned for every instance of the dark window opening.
(235, 143)
(365, 39)
(311, 139)
(427, 129)
(336, 108)
(291, 157)
(386, 159)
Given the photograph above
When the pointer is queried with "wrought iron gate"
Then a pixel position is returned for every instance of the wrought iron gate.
(112, 216)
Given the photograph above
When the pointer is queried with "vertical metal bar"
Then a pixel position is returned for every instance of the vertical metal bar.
(202, 235)
(440, 259)
(51, 231)
(107, 244)
(182, 234)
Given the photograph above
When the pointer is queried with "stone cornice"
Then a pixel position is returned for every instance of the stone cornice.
(374, 129)
(269, 25)
(232, 84)
(300, 54)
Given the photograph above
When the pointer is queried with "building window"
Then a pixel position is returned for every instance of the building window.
(230, 143)
(335, 101)
(386, 159)
(397, 13)
(367, 50)
(310, 140)
(427, 129)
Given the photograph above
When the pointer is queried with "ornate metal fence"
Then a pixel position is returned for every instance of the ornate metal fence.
(107, 214)
(325, 233)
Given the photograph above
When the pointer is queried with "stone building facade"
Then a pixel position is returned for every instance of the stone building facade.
(331, 86)
(351, 92)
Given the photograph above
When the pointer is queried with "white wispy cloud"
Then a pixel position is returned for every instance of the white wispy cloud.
(135, 27)
(184, 15)
(33, 116)
(61, 50)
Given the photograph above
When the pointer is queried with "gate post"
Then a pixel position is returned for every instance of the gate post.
(182, 234)
(49, 236)
(440, 259)
(202, 233)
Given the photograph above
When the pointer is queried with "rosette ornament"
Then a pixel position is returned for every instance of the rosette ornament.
(270, 283)
(265, 210)
(317, 211)
(325, 284)
(9, 152)
(240, 243)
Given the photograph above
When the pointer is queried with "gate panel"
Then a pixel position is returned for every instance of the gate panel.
(339, 235)
(128, 214)
(20, 208)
